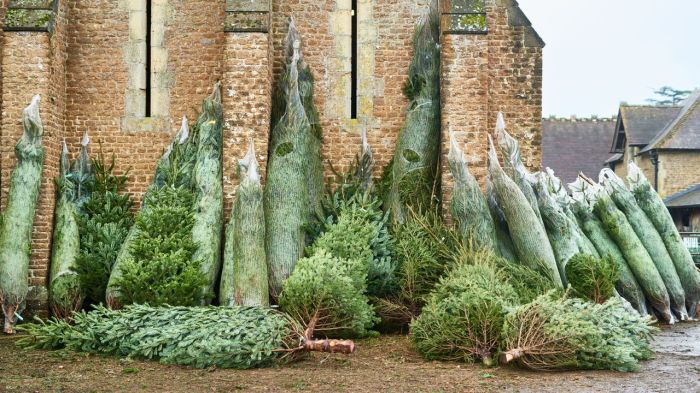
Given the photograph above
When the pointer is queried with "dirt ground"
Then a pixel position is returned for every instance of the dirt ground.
(385, 364)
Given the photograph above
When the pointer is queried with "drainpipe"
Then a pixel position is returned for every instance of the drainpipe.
(654, 156)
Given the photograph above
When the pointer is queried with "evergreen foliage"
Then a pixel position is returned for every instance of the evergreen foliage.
(161, 269)
(327, 294)
(202, 337)
(464, 316)
(410, 179)
(592, 278)
(18, 217)
(424, 250)
(103, 226)
(565, 333)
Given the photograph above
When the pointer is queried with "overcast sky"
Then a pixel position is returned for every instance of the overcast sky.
(603, 52)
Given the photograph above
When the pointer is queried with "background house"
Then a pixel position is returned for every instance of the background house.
(664, 141)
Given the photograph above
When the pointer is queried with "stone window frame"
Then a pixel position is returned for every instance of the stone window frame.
(463, 17)
(247, 16)
(30, 15)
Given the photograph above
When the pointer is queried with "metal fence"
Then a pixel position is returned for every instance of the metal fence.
(692, 241)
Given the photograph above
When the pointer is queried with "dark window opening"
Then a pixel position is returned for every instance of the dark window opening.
(353, 56)
(149, 16)
(686, 219)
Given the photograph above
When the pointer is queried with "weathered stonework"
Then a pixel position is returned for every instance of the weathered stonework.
(90, 71)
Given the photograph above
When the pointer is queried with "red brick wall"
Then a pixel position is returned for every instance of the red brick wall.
(247, 100)
(485, 74)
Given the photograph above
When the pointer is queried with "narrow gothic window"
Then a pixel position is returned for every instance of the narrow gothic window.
(353, 55)
(149, 71)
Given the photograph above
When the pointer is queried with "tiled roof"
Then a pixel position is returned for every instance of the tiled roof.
(643, 123)
(573, 146)
(683, 133)
(686, 198)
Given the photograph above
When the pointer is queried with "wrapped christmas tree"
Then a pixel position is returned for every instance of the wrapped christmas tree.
(644, 228)
(652, 204)
(18, 217)
(411, 178)
(65, 291)
(293, 183)
(469, 208)
(244, 277)
(527, 232)
(208, 188)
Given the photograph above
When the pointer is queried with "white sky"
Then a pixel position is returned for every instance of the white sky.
(603, 52)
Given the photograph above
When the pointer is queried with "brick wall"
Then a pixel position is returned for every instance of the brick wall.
(485, 74)
(247, 100)
(676, 171)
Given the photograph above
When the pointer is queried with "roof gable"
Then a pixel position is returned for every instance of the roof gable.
(642, 123)
(683, 132)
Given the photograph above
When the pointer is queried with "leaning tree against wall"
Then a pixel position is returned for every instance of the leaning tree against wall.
(18, 217)
(293, 179)
(411, 177)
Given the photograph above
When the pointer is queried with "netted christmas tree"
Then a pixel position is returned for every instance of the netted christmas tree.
(645, 230)
(469, 207)
(411, 179)
(652, 204)
(244, 277)
(18, 217)
(294, 172)
(66, 292)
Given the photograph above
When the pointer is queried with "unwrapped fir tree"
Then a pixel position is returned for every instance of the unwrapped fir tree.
(244, 277)
(291, 190)
(645, 230)
(18, 217)
(411, 178)
(103, 226)
(65, 290)
(469, 208)
(652, 204)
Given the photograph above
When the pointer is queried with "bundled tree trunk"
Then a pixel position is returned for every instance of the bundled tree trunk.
(652, 204)
(634, 252)
(627, 285)
(410, 180)
(244, 278)
(469, 207)
(18, 217)
(165, 174)
(527, 233)
(293, 165)
(644, 228)
(65, 292)
(208, 186)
